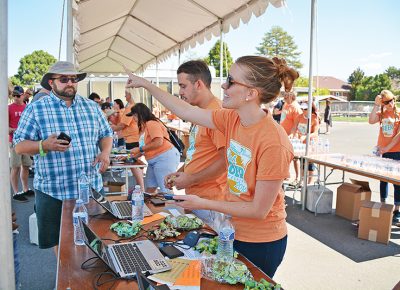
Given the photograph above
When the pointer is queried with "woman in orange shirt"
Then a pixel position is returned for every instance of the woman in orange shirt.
(162, 157)
(385, 112)
(118, 108)
(258, 154)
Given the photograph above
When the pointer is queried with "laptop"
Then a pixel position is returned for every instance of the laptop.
(145, 284)
(119, 209)
(125, 259)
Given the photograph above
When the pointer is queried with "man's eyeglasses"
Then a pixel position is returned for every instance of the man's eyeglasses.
(65, 80)
(230, 81)
(17, 96)
(387, 102)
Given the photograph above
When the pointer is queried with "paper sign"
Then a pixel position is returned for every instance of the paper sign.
(191, 276)
(154, 217)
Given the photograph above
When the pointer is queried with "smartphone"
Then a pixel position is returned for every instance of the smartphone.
(171, 252)
(170, 196)
(64, 137)
(157, 201)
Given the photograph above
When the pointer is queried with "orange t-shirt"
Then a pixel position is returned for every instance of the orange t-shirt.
(203, 149)
(131, 132)
(289, 115)
(154, 129)
(258, 152)
(389, 127)
(302, 125)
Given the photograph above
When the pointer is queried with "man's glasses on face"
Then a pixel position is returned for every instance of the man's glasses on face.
(230, 81)
(17, 96)
(65, 79)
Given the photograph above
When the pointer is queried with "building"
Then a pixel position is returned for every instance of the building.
(335, 86)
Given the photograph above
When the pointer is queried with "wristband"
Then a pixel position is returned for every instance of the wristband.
(141, 149)
(41, 151)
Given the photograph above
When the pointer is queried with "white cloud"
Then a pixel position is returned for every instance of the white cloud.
(375, 56)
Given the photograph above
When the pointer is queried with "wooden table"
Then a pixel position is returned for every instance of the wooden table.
(70, 257)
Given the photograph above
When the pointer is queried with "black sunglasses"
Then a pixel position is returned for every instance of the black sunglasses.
(17, 96)
(65, 80)
(230, 81)
(388, 102)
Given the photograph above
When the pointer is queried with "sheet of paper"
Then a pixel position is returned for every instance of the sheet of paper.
(154, 217)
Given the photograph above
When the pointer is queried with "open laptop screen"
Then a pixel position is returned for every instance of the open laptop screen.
(101, 200)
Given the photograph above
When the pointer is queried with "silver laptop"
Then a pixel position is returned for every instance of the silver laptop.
(125, 259)
(119, 209)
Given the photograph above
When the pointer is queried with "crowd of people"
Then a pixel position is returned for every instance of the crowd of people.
(237, 159)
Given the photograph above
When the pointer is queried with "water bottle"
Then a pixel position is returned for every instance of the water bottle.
(137, 204)
(226, 236)
(79, 212)
(84, 188)
(115, 140)
(375, 151)
(326, 146)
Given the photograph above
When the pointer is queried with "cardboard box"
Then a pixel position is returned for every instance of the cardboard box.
(375, 221)
(325, 203)
(111, 186)
(349, 197)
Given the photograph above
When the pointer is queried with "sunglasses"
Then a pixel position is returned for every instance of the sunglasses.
(230, 81)
(65, 80)
(388, 102)
(17, 96)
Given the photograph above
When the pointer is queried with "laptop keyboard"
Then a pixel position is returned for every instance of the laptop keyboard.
(130, 258)
(125, 208)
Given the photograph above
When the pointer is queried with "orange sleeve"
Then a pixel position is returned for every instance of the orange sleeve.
(273, 163)
(219, 117)
(154, 130)
(126, 120)
(217, 138)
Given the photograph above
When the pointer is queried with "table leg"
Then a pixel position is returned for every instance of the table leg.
(127, 180)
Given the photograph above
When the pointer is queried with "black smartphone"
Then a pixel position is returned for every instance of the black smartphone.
(64, 137)
(171, 252)
(157, 201)
(169, 196)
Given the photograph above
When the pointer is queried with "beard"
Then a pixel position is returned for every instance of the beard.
(67, 92)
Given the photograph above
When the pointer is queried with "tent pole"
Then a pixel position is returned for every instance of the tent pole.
(70, 33)
(6, 242)
(310, 100)
(221, 61)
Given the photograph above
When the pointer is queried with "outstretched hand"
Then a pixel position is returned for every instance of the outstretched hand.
(133, 80)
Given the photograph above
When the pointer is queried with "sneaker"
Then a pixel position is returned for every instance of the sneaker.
(396, 216)
(29, 192)
(19, 197)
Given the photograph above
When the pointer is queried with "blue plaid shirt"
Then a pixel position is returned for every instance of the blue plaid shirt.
(57, 173)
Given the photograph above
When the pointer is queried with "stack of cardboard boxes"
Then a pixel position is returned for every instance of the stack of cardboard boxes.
(354, 203)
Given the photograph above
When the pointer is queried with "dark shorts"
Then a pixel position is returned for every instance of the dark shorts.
(130, 146)
(311, 166)
(121, 142)
(48, 214)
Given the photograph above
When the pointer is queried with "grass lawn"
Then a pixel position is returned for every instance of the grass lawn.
(350, 119)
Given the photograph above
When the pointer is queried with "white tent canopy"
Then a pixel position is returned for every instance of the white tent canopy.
(139, 33)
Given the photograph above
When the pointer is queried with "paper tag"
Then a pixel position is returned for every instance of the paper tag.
(363, 195)
(375, 210)
(164, 214)
(174, 212)
(372, 235)
(191, 216)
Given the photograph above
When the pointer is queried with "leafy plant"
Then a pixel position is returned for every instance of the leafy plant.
(126, 230)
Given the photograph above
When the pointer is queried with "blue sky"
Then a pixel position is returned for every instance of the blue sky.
(350, 34)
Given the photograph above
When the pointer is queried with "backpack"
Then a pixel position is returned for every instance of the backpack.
(175, 140)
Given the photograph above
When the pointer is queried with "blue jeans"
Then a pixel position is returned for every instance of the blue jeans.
(267, 256)
(17, 267)
(160, 166)
(384, 187)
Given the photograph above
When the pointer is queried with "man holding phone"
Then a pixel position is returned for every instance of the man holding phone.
(68, 135)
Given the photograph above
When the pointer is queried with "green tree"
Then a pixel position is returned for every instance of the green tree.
(355, 80)
(301, 82)
(393, 73)
(32, 67)
(370, 87)
(278, 43)
(213, 58)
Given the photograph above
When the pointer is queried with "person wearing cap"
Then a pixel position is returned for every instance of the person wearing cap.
(28, 93)
(387, 115)
(19, 163)
(58, 163)
(300, 131)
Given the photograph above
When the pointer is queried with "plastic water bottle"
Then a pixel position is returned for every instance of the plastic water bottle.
(115, 140)
(84, 188)
(375, 151)
(79, 212)
(327, 146)
(226, 236)
(137, 204)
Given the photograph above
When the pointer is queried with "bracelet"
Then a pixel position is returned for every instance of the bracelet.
(41, 151)
(141, 149)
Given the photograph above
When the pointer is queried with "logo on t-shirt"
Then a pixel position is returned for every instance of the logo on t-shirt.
(238, 159)
(283, 115)
(141, 140)
(192, 141)
(388, 127)
(302, 128)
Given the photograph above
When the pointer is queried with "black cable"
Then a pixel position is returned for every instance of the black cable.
(96, 280)
(90, 265)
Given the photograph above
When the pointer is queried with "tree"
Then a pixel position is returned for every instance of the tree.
(32, 67)
(393, 73)
(214, 60)
(278, 43)
(355, 80)
(301, 82)
(370, 87)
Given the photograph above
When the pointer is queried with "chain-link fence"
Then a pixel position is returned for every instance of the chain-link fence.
(349, 109)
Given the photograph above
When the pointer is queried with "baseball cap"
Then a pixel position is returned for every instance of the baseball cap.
(304, 106)
(18, 91)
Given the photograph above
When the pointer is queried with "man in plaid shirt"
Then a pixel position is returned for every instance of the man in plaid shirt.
(58, 163)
